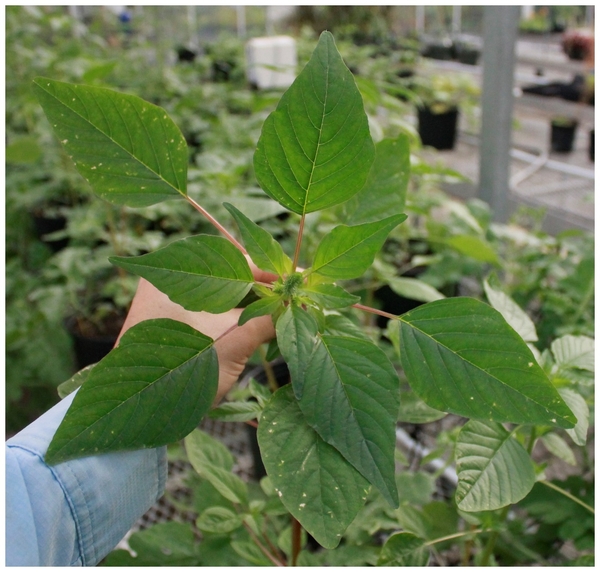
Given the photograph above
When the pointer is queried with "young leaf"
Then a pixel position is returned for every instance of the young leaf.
(199, 272)
(404, 549)
(385, 189)
(129, 150)
(473, 246)
(236, 411)
(264, 250)
(151, 390)
(315, 149)
(493, 468)
(312, 479)
(350, 396)
(218, 520)
(347, 251)
(296, 333)
(330, 296)
(517, 318)
(461, 356)
(212, 464)
(261, 307)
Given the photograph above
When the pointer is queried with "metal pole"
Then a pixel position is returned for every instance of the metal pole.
(420, 19)
(500, 25)
(241, 21)
(456, 19)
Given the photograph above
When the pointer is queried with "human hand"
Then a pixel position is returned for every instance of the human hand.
(235, 346)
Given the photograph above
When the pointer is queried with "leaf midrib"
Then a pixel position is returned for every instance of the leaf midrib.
(133, 395)
(113, 140)
(475, 366)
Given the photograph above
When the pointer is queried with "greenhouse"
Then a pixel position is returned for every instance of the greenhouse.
(299, 285)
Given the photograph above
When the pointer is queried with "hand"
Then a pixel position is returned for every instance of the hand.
(233, 349)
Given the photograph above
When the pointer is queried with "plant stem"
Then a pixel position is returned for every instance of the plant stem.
(296, 540)
(262, 547)
(375, 311)
(216, 224)
(298, 243)
(453, 536)
(271, 379)
(491, 543)
(568, 495)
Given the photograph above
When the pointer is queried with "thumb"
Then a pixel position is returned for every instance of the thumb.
(235, 348)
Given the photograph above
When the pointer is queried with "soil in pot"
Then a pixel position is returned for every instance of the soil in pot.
(91, 342)
(562, 135)
(438, 130)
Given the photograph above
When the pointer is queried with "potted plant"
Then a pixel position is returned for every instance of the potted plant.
(441, 98)
(562, 134)
(329, 436)
(578, 44)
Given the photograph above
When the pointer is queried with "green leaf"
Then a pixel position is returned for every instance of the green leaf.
(312, 479)
(151, 390)
(473, 246)
(213, 464)
(351, 396)
(347, 251)
(250, 552)
(385, 189)
(202, 449)
(259, 391)
(129, 150)
(581, 410)
(199, 272)
(461, 356)
(296, 333)
(218, 520)
(23, 150)
(404, 549)
(236, 411)
(330, 296)
(164, 544)
(415, 410)
(574, 351)
(264, 250)
(315, 150)
(559, 448)
(494, 470)
(413, 289)
(75, 382)
(259, 308)
(512, 313)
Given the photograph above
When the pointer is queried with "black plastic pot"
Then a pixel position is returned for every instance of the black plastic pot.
(89, 349)
(439, 52)
(592, 144)
(438, 130)
(562, 136)
(468, 56)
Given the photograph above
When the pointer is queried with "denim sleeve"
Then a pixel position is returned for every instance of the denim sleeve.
(76, 512)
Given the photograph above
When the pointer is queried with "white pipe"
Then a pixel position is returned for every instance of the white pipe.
(555, 165)
(405, 439)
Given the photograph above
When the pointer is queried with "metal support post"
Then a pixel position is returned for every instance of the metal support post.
(500, 25)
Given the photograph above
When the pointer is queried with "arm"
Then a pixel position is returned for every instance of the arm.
(75, 512)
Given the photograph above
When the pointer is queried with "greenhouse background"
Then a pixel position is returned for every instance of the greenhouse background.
(501, 210)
